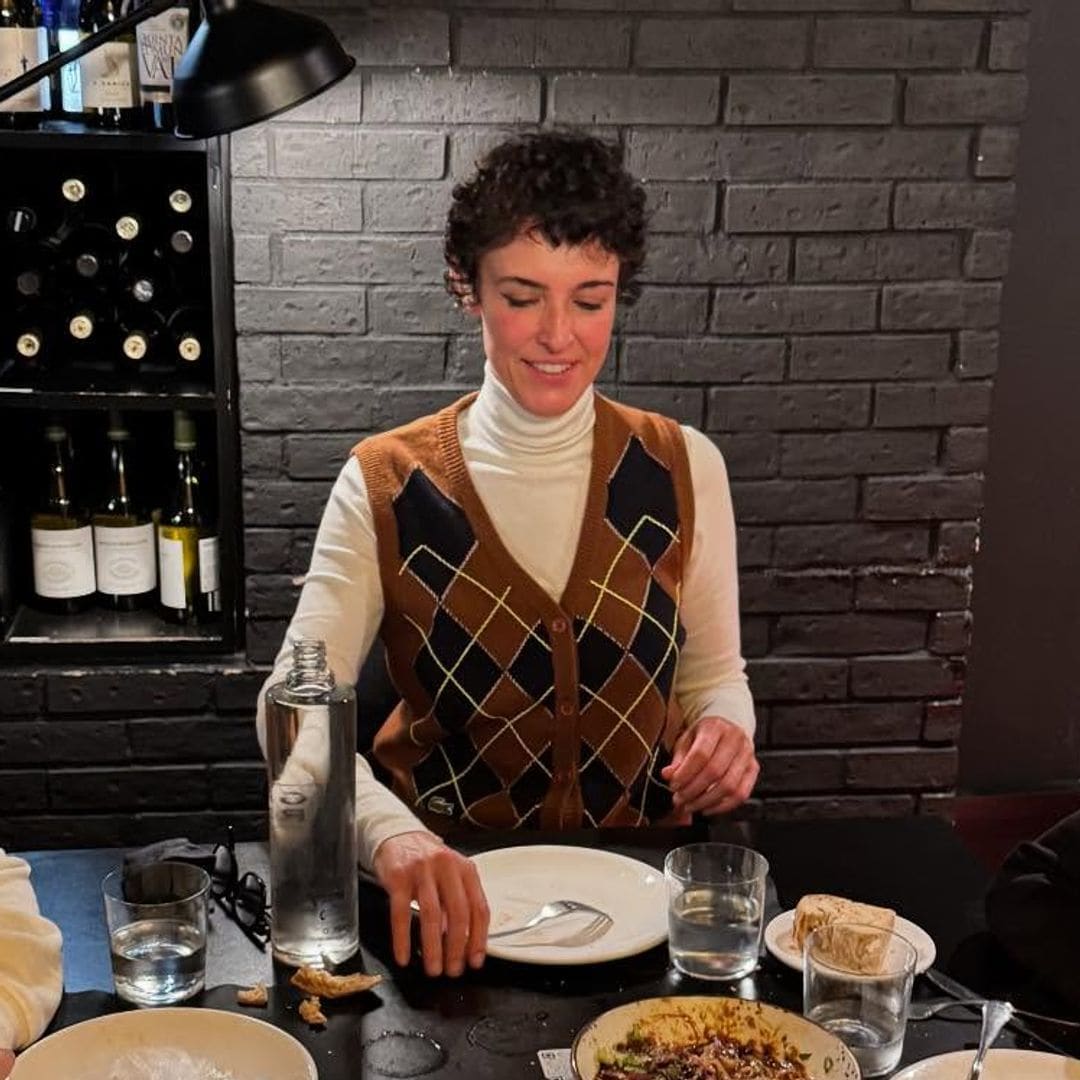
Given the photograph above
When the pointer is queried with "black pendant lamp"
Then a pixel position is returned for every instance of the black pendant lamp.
(249, 61)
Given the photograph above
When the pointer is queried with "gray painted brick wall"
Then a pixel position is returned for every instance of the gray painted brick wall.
(832, 189)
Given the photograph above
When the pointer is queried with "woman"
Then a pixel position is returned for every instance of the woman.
(31, 979)
(553, 575)
(1033, 906)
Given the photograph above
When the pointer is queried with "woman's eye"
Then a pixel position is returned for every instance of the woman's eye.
(513, 301)
(585, 305)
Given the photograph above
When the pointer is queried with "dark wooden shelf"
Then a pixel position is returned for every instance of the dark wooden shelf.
(37, 397)
(87, 137)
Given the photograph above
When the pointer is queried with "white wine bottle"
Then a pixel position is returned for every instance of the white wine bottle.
(187, 541)
(61, 537)
(19, 48)
(123, 533)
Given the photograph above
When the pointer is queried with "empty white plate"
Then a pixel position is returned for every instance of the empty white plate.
(999, 1065)
(518, 880)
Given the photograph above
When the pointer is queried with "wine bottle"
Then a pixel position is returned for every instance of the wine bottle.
(19, 53)
(161, 41)
(144, 280)
(87, 251)
(140, 330)
(109, 74)
(189, 336)
(20, 225)
(123, 533)
(30, 336)
(180, 201)
(187, 543)
(70, 33)
(48, 47)
(129, 227)
(61, 538)
(87, 321)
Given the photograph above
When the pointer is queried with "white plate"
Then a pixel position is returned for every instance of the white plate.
(242, 1047)
(517, 880)
(780, 942)
(999, 1065)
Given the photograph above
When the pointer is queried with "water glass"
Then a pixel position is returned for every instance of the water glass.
(716, 899)
(156, 916)
(866, 1009)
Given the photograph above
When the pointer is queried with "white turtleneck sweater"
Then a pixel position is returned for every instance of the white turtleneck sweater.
(31, 976)
(532, 474)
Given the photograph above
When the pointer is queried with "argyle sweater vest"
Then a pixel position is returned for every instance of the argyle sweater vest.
(518, 710)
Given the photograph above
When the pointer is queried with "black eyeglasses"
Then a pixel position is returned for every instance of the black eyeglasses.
(241, 897)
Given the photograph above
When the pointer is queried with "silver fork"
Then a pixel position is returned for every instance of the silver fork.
(555, 909)
(923, 1010)
(597, 926)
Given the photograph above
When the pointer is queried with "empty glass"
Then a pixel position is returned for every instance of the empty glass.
(156, 915)
(716, 899)
(857, 984)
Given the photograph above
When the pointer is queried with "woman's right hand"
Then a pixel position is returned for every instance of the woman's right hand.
(7, 1062)
(444, 883)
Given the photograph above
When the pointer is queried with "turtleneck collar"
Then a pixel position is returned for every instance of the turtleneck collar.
(499, 419)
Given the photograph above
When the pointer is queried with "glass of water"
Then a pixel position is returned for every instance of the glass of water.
(857, 984)
(716, 898)
(156, 915)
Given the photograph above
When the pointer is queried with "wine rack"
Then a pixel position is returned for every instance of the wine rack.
(115, 297)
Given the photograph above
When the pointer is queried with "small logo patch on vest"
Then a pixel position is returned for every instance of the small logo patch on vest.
(438, 805)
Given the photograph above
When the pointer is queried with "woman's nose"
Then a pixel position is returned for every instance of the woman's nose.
(555, 329)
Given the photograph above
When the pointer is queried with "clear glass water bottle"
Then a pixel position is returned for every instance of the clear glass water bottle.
(310, 752)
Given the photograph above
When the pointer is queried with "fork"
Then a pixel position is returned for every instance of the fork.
(923, 1010)
(595, 929)
(554, 909)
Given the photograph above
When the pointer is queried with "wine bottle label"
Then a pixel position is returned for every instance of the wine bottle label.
(127, 227)
(19, 53)
(189, 348)
(108, 80)
(162, 41)
(171, 565)
(28, 345)
(71, 85)
(81, 327)
(63, 562)
(209, 580)
(180, 201)
(135, 346)
(125, 559)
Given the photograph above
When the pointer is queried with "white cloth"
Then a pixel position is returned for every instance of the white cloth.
(31, 975)
(532, 474)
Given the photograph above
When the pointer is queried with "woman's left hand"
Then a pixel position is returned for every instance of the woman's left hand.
(713, 768)
(7, 1062)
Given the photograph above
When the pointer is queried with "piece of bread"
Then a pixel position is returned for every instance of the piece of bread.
(861, 950)
(311, 1012)
(316, 981)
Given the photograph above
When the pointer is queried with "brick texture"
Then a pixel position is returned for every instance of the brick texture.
(831, 189)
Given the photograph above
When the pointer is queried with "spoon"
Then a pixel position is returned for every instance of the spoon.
(995, 1015)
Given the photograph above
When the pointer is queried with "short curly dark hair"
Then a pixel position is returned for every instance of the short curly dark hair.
(572, 188)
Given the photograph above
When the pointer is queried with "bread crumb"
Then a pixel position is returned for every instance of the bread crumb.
(321, 983)
(311, 1012)
(255, 996)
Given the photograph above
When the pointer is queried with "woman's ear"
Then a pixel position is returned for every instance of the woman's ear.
(463, 292)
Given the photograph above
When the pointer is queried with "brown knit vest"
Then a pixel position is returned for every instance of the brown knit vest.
(518, 710)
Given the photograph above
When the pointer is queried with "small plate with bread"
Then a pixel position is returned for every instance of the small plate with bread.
(787, 932)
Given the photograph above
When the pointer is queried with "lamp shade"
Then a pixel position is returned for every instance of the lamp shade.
(249, 61)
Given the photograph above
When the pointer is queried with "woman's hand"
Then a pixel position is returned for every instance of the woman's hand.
(7, 1062)
(713, 768)
(453, 910)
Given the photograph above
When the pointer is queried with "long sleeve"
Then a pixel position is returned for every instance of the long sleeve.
(711, 679)
(31, 975)
(1033, 906)
(342, 604)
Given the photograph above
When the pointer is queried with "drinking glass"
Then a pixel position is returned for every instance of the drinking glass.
(716, 899)
(156, 916)
(868, 1008)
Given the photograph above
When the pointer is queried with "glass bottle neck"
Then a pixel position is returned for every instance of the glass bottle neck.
(59, 499)
(309, 673)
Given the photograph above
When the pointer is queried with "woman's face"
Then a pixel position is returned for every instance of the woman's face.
(547, 314)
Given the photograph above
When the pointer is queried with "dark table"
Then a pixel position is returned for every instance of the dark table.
(488, 1025)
